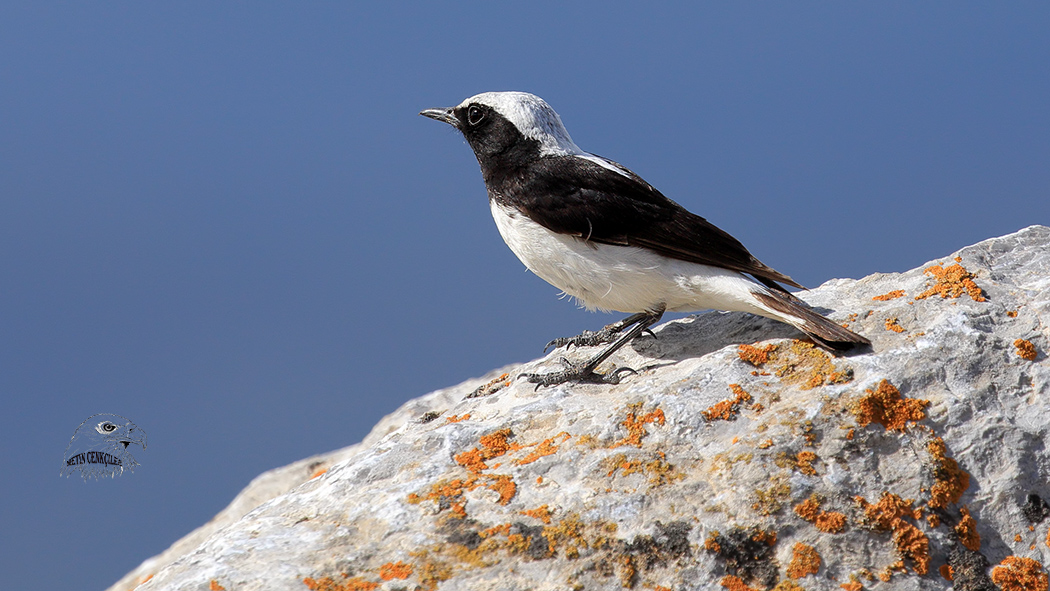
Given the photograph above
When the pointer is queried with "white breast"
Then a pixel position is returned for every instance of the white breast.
(622, 278)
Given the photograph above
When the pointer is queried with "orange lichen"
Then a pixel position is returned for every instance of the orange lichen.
(628, 570)
(734, 583)
(449, 493)
(946, 572)
(319, 473)
(755, 355)
(657, 468)
(504, 485)
(890, 509)
(767, 536)
(950, 480)
(472, 460)
(804, 561)
(889, 514)
(491, 387)
(891, 324)
(966, 530)
(568, 535)
(395, 570)
(897, 293)
(446, 492)
(808, 509)
(1011, 313)
(433, 573)
(809, 366)
(952, 283)
(768, 443)
(215, 586)
(1015, 573)
(329, 584)
(852, 586)
(635, 425)
(830, 522)
(913, 544)
(496, 443)
(1026, 350)
(804, 462)
(711, 543)
(885, 406)
(542, 513)
(727, 409)
(457, 418)
(493, 445)
(544, 448)
(503, 529)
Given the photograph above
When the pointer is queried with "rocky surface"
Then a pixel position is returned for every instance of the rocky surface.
(770, 465)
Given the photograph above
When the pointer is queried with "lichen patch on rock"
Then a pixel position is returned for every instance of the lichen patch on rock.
(952, 282)
(1026, 350)
(885, 406)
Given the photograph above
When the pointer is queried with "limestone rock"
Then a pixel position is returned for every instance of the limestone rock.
(715, 466)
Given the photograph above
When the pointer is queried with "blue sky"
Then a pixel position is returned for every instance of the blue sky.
(226, 221)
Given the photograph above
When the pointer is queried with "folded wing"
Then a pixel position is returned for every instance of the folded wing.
(608, 204)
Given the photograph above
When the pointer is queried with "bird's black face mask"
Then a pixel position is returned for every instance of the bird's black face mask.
(494, 139)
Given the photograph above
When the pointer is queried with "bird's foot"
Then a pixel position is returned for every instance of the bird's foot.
(575, 372)
(588, 338)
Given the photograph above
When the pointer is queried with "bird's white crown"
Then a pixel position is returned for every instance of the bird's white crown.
(533, 117)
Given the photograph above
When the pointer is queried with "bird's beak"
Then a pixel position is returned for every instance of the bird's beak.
(441, 115)
(137, 436)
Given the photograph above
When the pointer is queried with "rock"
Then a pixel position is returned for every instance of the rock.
(715, 466)
(281, 480)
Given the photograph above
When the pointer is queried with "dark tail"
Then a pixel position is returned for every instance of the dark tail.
(825, 333)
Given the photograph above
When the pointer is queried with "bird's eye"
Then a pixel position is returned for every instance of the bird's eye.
(106, 427)
(475, 115)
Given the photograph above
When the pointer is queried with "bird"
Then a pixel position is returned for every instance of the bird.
(99, 447)
(601, 234)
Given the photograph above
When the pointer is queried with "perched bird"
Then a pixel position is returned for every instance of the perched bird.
(99, 447)
(598, 232)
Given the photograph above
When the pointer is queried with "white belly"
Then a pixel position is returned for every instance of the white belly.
(622, 278)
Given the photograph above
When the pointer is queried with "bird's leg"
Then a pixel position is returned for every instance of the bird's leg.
(590, 338)
(584, 372)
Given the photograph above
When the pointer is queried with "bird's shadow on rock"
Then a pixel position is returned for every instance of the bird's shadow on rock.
(701, 334)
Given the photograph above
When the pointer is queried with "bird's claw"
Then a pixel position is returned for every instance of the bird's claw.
(616, 373)
(581, 340)
(575, 373)
(587, 338)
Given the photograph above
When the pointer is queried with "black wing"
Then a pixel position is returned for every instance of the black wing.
(576, 196)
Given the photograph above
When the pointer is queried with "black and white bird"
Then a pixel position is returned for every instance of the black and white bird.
(601, 234)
